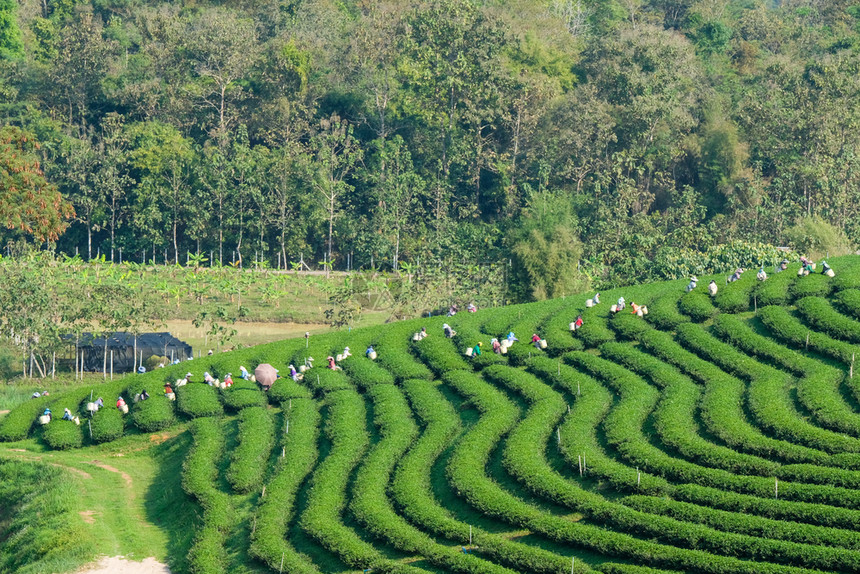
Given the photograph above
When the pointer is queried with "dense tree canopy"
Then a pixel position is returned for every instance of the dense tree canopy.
(364, 133)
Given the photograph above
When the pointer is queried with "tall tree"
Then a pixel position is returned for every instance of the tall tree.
(163, 159)
(454, 87)
(111, 179)
(223, 47)
(285, 186)
(396, 191)
(10, 35)
(336, 152)
(29, 204)
(81, 65)
(79, 167)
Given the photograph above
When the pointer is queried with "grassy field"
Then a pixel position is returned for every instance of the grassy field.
(714, 434)
(249, 333)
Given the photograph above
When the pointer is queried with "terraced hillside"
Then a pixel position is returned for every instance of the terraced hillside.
(716, 434)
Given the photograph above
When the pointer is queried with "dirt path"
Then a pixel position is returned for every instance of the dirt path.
(119, 565)
(125, 476)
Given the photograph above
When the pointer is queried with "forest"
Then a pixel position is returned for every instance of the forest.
(580, 142)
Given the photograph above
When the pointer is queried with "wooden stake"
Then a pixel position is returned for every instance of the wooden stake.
(558, 432)
(281, 569)
(572, 563)
(776, 488)
(283, 452)
(807, 341)
(264, 493)
(580, 464)
(470, 535)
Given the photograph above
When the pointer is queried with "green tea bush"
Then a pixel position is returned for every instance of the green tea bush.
(441, 355)
(324, 380)
(154, 414)
(199, 474)
(591, 403)
(366, 373)
(546, 409)
(776, 289)
(735, 297)
(466, 333)
(769, 400)
(62, 435)
(814, 285)
(467, 473)
(744, 523)
(818, 384)
(269, 539)
(848, 302)
(370, 503)
(412, 492)
(846, 279)
(327, 494)
(556, 330)
(721, 407)
(250, 458)
(697, 305)
(16, 424)
(791, 331)
(628, 326)
(394, 355)
(819, 314)
(238, 399)
(198, 400)
(285, 389)
(819, 514)
(675, 415)
(663, 312)
(594, 331)
(107, 425)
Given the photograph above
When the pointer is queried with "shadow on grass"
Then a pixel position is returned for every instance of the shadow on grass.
(167, 506)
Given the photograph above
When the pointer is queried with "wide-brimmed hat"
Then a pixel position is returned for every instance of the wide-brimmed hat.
(694, 279)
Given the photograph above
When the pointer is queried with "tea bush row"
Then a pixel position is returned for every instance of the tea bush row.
(250, 458)
(269, 540)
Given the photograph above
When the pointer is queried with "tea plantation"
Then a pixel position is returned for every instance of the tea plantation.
(714, 434)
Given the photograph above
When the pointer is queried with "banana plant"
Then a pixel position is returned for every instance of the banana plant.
(197, 261)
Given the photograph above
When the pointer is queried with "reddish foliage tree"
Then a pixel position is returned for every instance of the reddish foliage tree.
(28, 202)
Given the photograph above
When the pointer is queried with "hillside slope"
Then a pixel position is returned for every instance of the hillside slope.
(714, 434)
